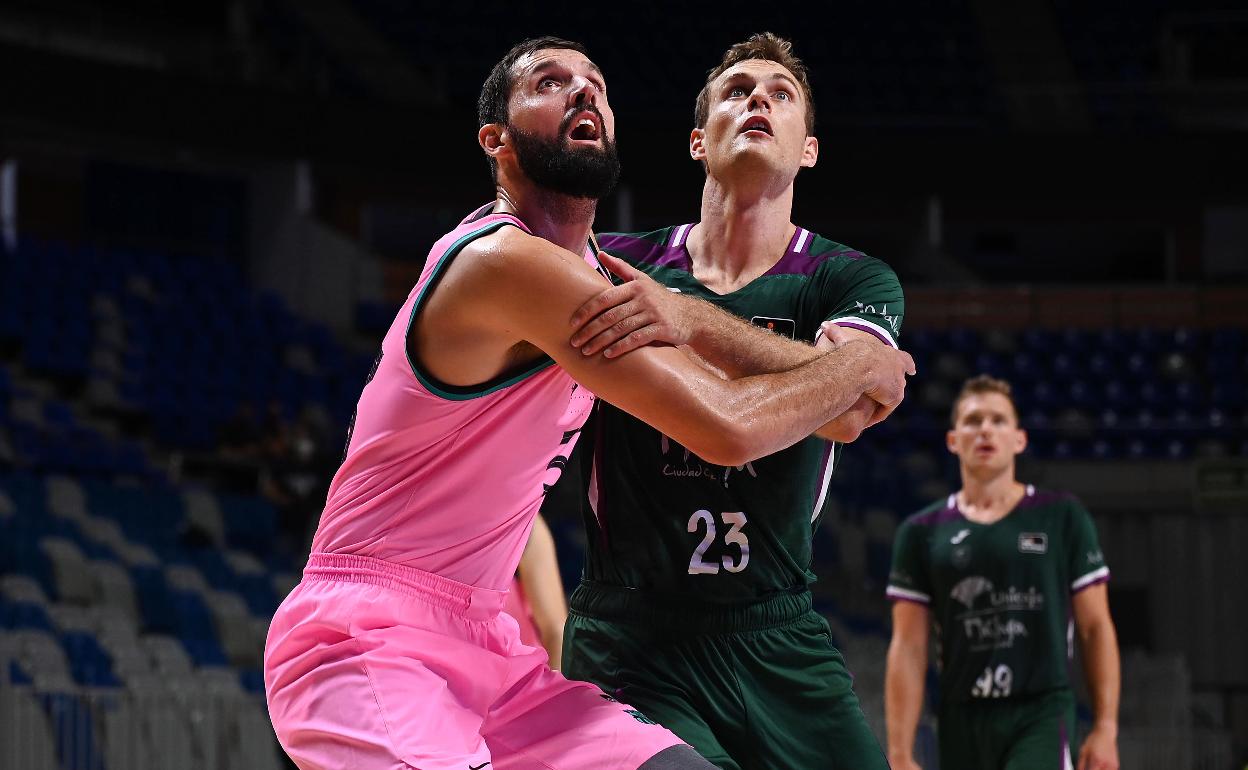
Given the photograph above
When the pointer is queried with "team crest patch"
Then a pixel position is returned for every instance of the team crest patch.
(784, 326)
(1033, 542)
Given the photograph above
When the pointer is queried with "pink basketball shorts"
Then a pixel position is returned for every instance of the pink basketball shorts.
(373, 665)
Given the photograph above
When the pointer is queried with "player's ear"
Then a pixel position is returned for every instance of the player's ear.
(1020, 441)
(697, 144)
(810, 152)
(951, 441)
(493, 138)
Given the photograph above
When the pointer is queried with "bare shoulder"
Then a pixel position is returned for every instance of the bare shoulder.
(510, 248)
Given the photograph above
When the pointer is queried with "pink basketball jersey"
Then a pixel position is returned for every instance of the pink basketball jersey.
(447, 479)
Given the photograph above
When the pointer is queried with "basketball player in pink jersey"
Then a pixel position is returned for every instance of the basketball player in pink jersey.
(392, 652)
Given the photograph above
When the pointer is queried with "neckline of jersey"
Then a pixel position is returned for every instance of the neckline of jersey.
(680, 240)
(1029, 495)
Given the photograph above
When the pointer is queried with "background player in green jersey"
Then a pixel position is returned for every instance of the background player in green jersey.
(1005, 573)
(695, 606)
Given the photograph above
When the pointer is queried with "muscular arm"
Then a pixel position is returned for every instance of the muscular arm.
(642, 311)
(766, 353)
(903, 681)
(539, 574)
(1098, 643)
(515, 287)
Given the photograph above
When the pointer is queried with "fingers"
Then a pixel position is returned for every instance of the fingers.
(881, 414)
(606, 321)
(594, 306)
(614, 338)
(890, 387)
(834, 334)
(635, 339)
(619, 267)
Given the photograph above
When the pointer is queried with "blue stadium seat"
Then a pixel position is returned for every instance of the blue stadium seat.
(252, 680)
(1119, 396)
(1102, 364)
(1026, 366)
(1067, 365)
(23, 615)
(74, 728)
(90, 664)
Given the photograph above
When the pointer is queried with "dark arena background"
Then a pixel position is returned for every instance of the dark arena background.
(210, 212)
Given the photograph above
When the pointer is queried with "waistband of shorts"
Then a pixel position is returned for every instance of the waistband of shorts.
(630, 605)
(468, 601)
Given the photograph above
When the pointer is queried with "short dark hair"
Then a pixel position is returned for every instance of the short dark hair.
(496, 91)
(978, 385)
(761, 45)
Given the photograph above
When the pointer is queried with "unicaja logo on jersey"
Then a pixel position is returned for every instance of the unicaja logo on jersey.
(991, 625)
(968, 589)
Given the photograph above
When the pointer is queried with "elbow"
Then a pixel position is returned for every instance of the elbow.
(842, 434)
(728, 445)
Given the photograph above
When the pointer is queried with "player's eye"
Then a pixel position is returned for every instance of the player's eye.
(784, 96)
(547, 83)
(736, 91)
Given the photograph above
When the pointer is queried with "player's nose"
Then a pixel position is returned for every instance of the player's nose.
(584, 92)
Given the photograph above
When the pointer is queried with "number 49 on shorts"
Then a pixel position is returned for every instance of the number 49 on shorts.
(735, 520)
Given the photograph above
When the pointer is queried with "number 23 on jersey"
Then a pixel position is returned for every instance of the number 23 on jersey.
(735, 521)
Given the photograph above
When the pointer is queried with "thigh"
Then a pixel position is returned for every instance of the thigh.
(548, 722)
(800, 703)
(1042, 734)
(962, 740)
(389, 697)
(665, 680)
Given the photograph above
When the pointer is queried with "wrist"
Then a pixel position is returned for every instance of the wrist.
(702, 322)
(1107, 726)
(900, 756)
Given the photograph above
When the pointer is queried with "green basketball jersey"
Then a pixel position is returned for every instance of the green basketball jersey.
(999, 593)
(660, 518)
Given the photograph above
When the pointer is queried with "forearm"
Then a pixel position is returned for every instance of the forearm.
(740, 348)
(772, 411)
(539, 574)
(732, 348)
(552, 640)
(1099, 646)
(903, 699)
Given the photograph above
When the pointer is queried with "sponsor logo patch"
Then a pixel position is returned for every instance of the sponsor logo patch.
(783, 326)
(1033, 542)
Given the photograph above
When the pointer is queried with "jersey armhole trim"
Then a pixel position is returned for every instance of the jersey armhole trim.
(1092, 578)
(854, 322)
(431, 383)
(907, 595)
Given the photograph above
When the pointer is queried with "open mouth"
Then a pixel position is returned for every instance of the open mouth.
(757, 123)
(585, 129)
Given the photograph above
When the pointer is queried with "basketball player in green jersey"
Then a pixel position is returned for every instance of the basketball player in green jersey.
(695, 605)
(1006, 573)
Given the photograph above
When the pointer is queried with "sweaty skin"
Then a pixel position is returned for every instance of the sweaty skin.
(483, 320)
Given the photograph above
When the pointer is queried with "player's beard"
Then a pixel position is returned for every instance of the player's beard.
(556, 165)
